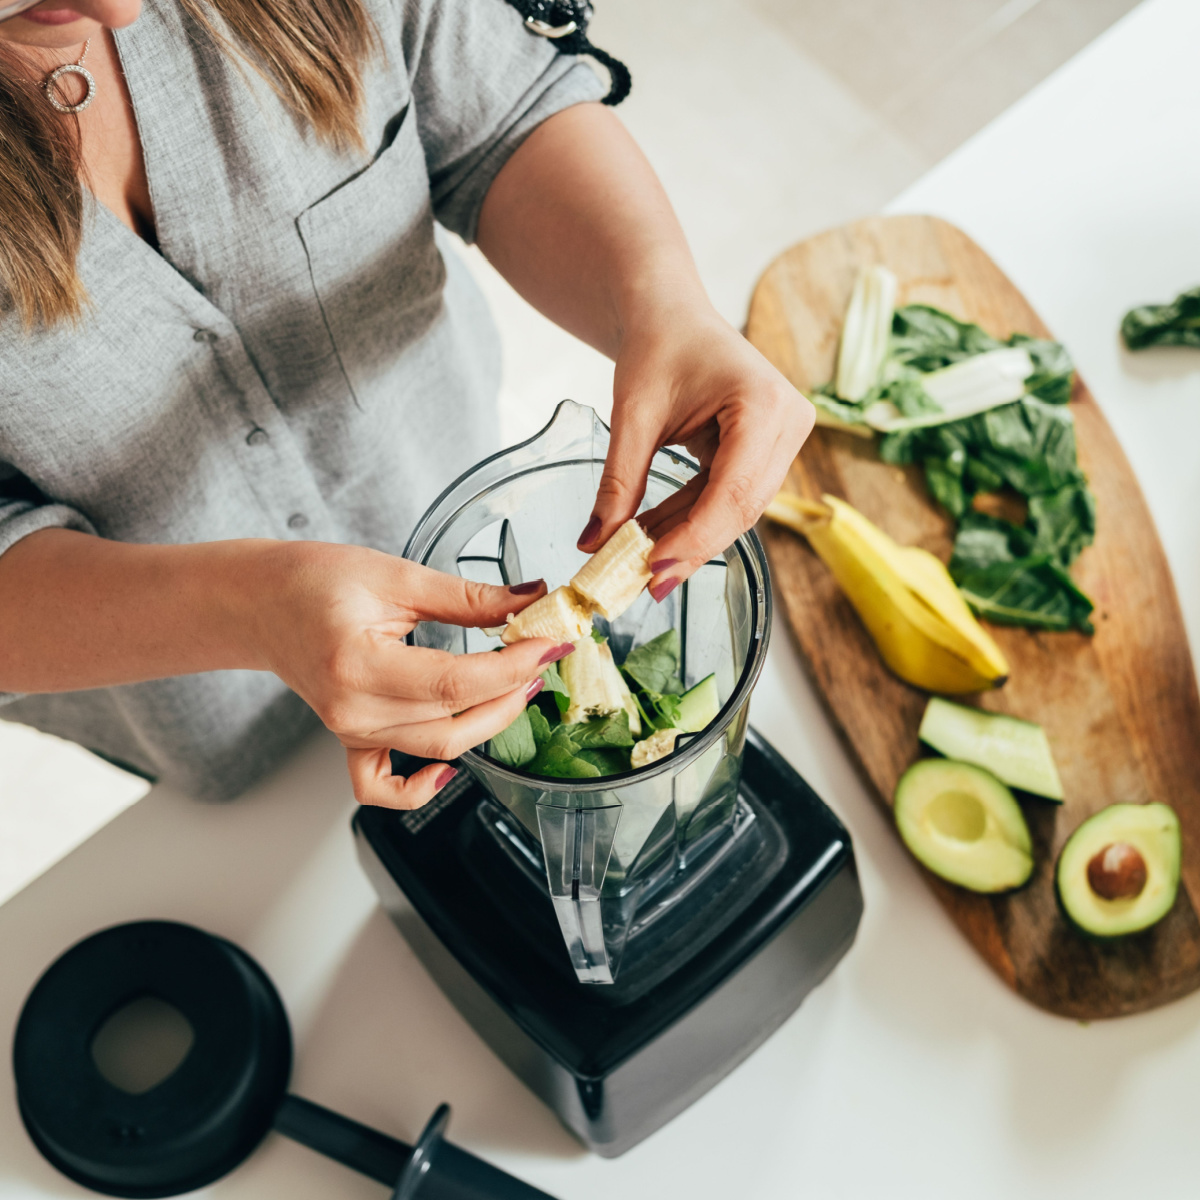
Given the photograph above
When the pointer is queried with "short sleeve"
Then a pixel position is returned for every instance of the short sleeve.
(481, 84)
(24, 510)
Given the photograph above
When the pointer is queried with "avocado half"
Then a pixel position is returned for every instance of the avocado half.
(1119, 871)
(964, 825)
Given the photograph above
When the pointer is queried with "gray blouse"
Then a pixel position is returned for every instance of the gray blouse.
(303, 358)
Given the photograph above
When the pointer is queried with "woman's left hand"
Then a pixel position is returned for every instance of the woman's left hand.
(687, 378)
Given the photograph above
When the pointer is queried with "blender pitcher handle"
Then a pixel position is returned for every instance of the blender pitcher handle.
(577, 843)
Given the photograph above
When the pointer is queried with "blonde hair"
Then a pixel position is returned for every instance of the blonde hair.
(312, 52)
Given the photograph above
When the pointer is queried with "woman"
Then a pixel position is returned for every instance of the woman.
(236, 364)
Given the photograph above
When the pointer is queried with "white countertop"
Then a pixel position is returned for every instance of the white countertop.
(912, 1072)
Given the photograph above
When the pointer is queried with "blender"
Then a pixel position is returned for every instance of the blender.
(622, 942)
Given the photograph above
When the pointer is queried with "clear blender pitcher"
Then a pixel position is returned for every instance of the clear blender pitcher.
(619, 849)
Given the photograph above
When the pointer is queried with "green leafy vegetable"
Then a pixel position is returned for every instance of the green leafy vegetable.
(1174, 324)
(848, 414)
(1016, 574)
(928, 339)
(555, 686)
(559, 757)
(1032, 591)
(515, 746)
(607, 762)
(1008, 575)
(602, 733)
(865, 332)
(1063, 522)
(1053, 371)
(538, 725)
(654, 666)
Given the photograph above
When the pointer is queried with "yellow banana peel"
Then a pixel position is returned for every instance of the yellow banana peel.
(905, 597)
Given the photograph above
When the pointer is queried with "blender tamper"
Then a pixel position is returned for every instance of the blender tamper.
(227, 1094)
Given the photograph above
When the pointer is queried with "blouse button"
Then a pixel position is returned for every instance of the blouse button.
(204, 335)
(297, 521)
(257, 437)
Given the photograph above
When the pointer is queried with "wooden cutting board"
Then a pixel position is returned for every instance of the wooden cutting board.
(1120, 707)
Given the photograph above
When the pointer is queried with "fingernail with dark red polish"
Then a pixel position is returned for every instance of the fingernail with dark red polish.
(445, 777)
(535, 687)
(663, 564)
(557, 653)
(590, 532)
(663, 588)
(527, 589)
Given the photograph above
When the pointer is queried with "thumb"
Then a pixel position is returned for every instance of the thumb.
(436, 596)
(623, 483)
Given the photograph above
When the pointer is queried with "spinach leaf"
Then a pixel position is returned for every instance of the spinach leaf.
(849, 414)
(1174, 324)
(515, 746)
(1029, 444)
(607, 762)
(1032, 591)
(538, 725)
(555, 686)
(946, 484)
(983, 541)
(654, 665)
(1053, 370)
(907, 394)
(928, 339)
(667, 709)
(1063, 522)
(559, 758)
(603, 732)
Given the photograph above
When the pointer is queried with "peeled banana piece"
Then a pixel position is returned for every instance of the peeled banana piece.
(560, 615)
(595, 685)
(608, 583)
(917, 618)
(658, 745)
(613, 578)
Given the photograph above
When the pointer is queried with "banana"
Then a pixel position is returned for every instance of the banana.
(925, 576)
(658, 745)
(613, 578)
(560, 615)
(904, 596)
(595, 685)
(608, 583)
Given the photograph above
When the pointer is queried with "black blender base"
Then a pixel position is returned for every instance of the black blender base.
(617, 1062)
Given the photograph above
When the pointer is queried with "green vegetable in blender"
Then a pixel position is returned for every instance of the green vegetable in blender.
(698, 707)
(589, 728)
(515, 746)
(654, 666)
(556, 687)
(1174, 324)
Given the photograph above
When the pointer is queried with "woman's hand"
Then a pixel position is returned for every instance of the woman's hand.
(333, 631)
(685, 377)
(577, 222)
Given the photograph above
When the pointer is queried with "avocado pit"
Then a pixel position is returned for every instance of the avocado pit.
(1117, 872)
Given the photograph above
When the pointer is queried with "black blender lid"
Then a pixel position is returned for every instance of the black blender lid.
(204, 1118)
(223, 1098)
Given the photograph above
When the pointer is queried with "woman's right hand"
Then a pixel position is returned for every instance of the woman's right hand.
(331, 622)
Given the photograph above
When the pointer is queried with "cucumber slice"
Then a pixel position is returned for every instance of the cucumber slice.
(1015, 751)
(964, 825)
(698, 706)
